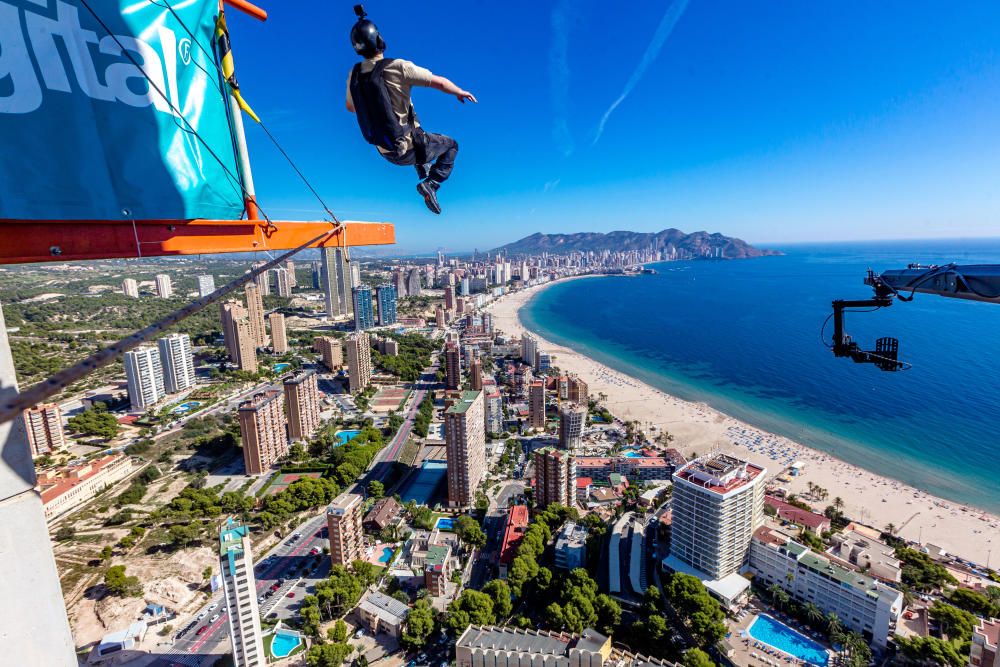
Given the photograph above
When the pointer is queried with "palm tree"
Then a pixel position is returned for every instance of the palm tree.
(833, 624)
(813, 613)
(773, 590)
(890, 528)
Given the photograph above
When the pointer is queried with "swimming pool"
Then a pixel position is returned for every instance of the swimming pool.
(284, 642)
(386, 555)
(185, 407)
(774, 633)
(632, 454)
(345, 437)
(445, 523)
(279, 368)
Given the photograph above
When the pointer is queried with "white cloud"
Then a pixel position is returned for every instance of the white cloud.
(559, 74)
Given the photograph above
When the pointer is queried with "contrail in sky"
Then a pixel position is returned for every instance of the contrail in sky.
(667, 23)
(559, 73)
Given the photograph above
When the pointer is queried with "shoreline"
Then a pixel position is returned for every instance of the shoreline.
(873, 499)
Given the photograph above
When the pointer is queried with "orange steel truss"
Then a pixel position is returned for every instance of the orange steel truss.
(65, 240)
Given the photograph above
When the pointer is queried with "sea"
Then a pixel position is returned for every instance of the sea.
(747, 337)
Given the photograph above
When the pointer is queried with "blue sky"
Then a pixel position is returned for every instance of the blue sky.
(774, 121)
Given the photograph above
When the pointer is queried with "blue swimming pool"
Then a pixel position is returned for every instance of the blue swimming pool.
(284, 642)
(185, 407)
(344, 437)
(445, 523)
(632, 454)
(778, 635)
(386, 555)
(282, 367)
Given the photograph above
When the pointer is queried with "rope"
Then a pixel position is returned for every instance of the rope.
(59, 381)
(274, 140)
(178, 114)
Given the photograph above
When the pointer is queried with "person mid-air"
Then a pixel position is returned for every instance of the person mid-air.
(378, 92)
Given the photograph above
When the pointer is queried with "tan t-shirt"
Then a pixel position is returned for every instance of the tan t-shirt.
(400, 76)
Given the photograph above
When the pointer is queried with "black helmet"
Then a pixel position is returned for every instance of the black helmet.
(365, 38)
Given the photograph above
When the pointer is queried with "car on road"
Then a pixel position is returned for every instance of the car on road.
(202, 615)
(213, 606)
(261, 598)
(314, 551)
(213, 619)
(290, 595)
(201, 631)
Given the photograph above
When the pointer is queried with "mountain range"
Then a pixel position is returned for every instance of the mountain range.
(695, 244)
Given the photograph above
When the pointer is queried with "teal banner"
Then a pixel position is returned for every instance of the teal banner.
(86, 134)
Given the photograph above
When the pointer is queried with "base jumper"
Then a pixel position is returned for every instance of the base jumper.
(378, 92)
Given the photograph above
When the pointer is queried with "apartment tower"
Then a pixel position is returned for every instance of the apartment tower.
(238, 334)
(279, 337)
(302, 405)
(718, 503)
(336, 281)
(45, 429)
(359, 361)
(332, 351)
(555, 477)
(572, 419)
(255, 313)
(177, 362)
(465, 440)
(386, 304)
(262, 427)
(206, 285)
(283, 282)
(145, 377)
(536, 405)
(453, 366)
(130, 288)
(343, 521)
(164, 286)
(240, 588)
(364, 309)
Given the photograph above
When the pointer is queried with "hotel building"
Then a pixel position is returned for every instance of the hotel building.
(130, 288)
(262, 427)
(336, 281)
(240, 590)
(465, 441)
(70, 487)
(145, 377)
(364, 309)
(343, 521)
(555, 477)
(255, 313)
(332, 351)
(279, 337)
(302, 405)
(386, 304)
(359, 361)
(45, 429)
(164, 286)
(177, 362)
(572, 419)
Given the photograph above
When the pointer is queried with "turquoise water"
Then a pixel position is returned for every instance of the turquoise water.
(632, 454)
(284, 642)
(279, 368)
(444, 523)
(780, 636)
(345, 437)
(758, 354)
(386, 555)
(185, 407)
(424, 484)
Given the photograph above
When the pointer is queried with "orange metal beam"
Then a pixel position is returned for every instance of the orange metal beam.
(25, 241)
(248, 8)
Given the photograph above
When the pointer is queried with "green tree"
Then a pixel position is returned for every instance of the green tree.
(420, 624)
(65, 532)
(120, 584)
(470, 532)
(338, 633)
(499, 592)
(705, 618)
(107, 552)
(471, 608)
(695, 657)
(95, 422)
(328, 655)
(376, 489)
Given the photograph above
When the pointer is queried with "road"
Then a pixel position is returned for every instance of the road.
(493, 525)
(291, 562)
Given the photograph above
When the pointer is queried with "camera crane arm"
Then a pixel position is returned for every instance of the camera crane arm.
(975, 282)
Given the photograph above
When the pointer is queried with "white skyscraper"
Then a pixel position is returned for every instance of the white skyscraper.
(145, 377)
(283, 281)
(206, 285)
(164, 286)
(336, 281)
(177, 362)
(240, 587)
(130, 288)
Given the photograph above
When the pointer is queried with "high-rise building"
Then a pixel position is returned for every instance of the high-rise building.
(578, 391)
(465, 440)
(332, 351)
(292, 279)
(255, 313)
(718, 503)
(439, 318)
(555, 477)
(494, 409)
(130, 288)
(283, 282)
(240, 588)
(145, 377)
(262, 280)
(476, 374)
(529, 347)
(336, 281)
(302, 405)
(164, 286)
(453, 366)
(386, 304)
(177, 362)
(413, 282)
(240, 341)
(364, 311)
(279, 337)
(317, 274)
(399, 280)
(449, 297)
(206, 285)
(359, 361)
(343, 522)
(536, 404)
(45, 429)
(572, 419)
(262, 427)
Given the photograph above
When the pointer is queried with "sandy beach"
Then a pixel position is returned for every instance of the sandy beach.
(875, 500)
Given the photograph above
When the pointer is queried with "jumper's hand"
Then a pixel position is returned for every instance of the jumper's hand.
(466, 95)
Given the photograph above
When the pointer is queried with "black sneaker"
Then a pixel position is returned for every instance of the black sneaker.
(428, 190)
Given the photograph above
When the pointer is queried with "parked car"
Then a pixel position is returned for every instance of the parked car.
(213, 606)
(290, 595)
(202, 615)
(201, 630)
(213, 619)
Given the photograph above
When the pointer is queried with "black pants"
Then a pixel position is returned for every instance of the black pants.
(432, 154)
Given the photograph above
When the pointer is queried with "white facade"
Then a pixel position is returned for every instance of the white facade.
(863, 604)
(572, 419)
(283, 282)
(164, 286)
(177, 362)
(130, 288)
(239, 585)
(145, 377)
(718, 502)
(206, 285)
